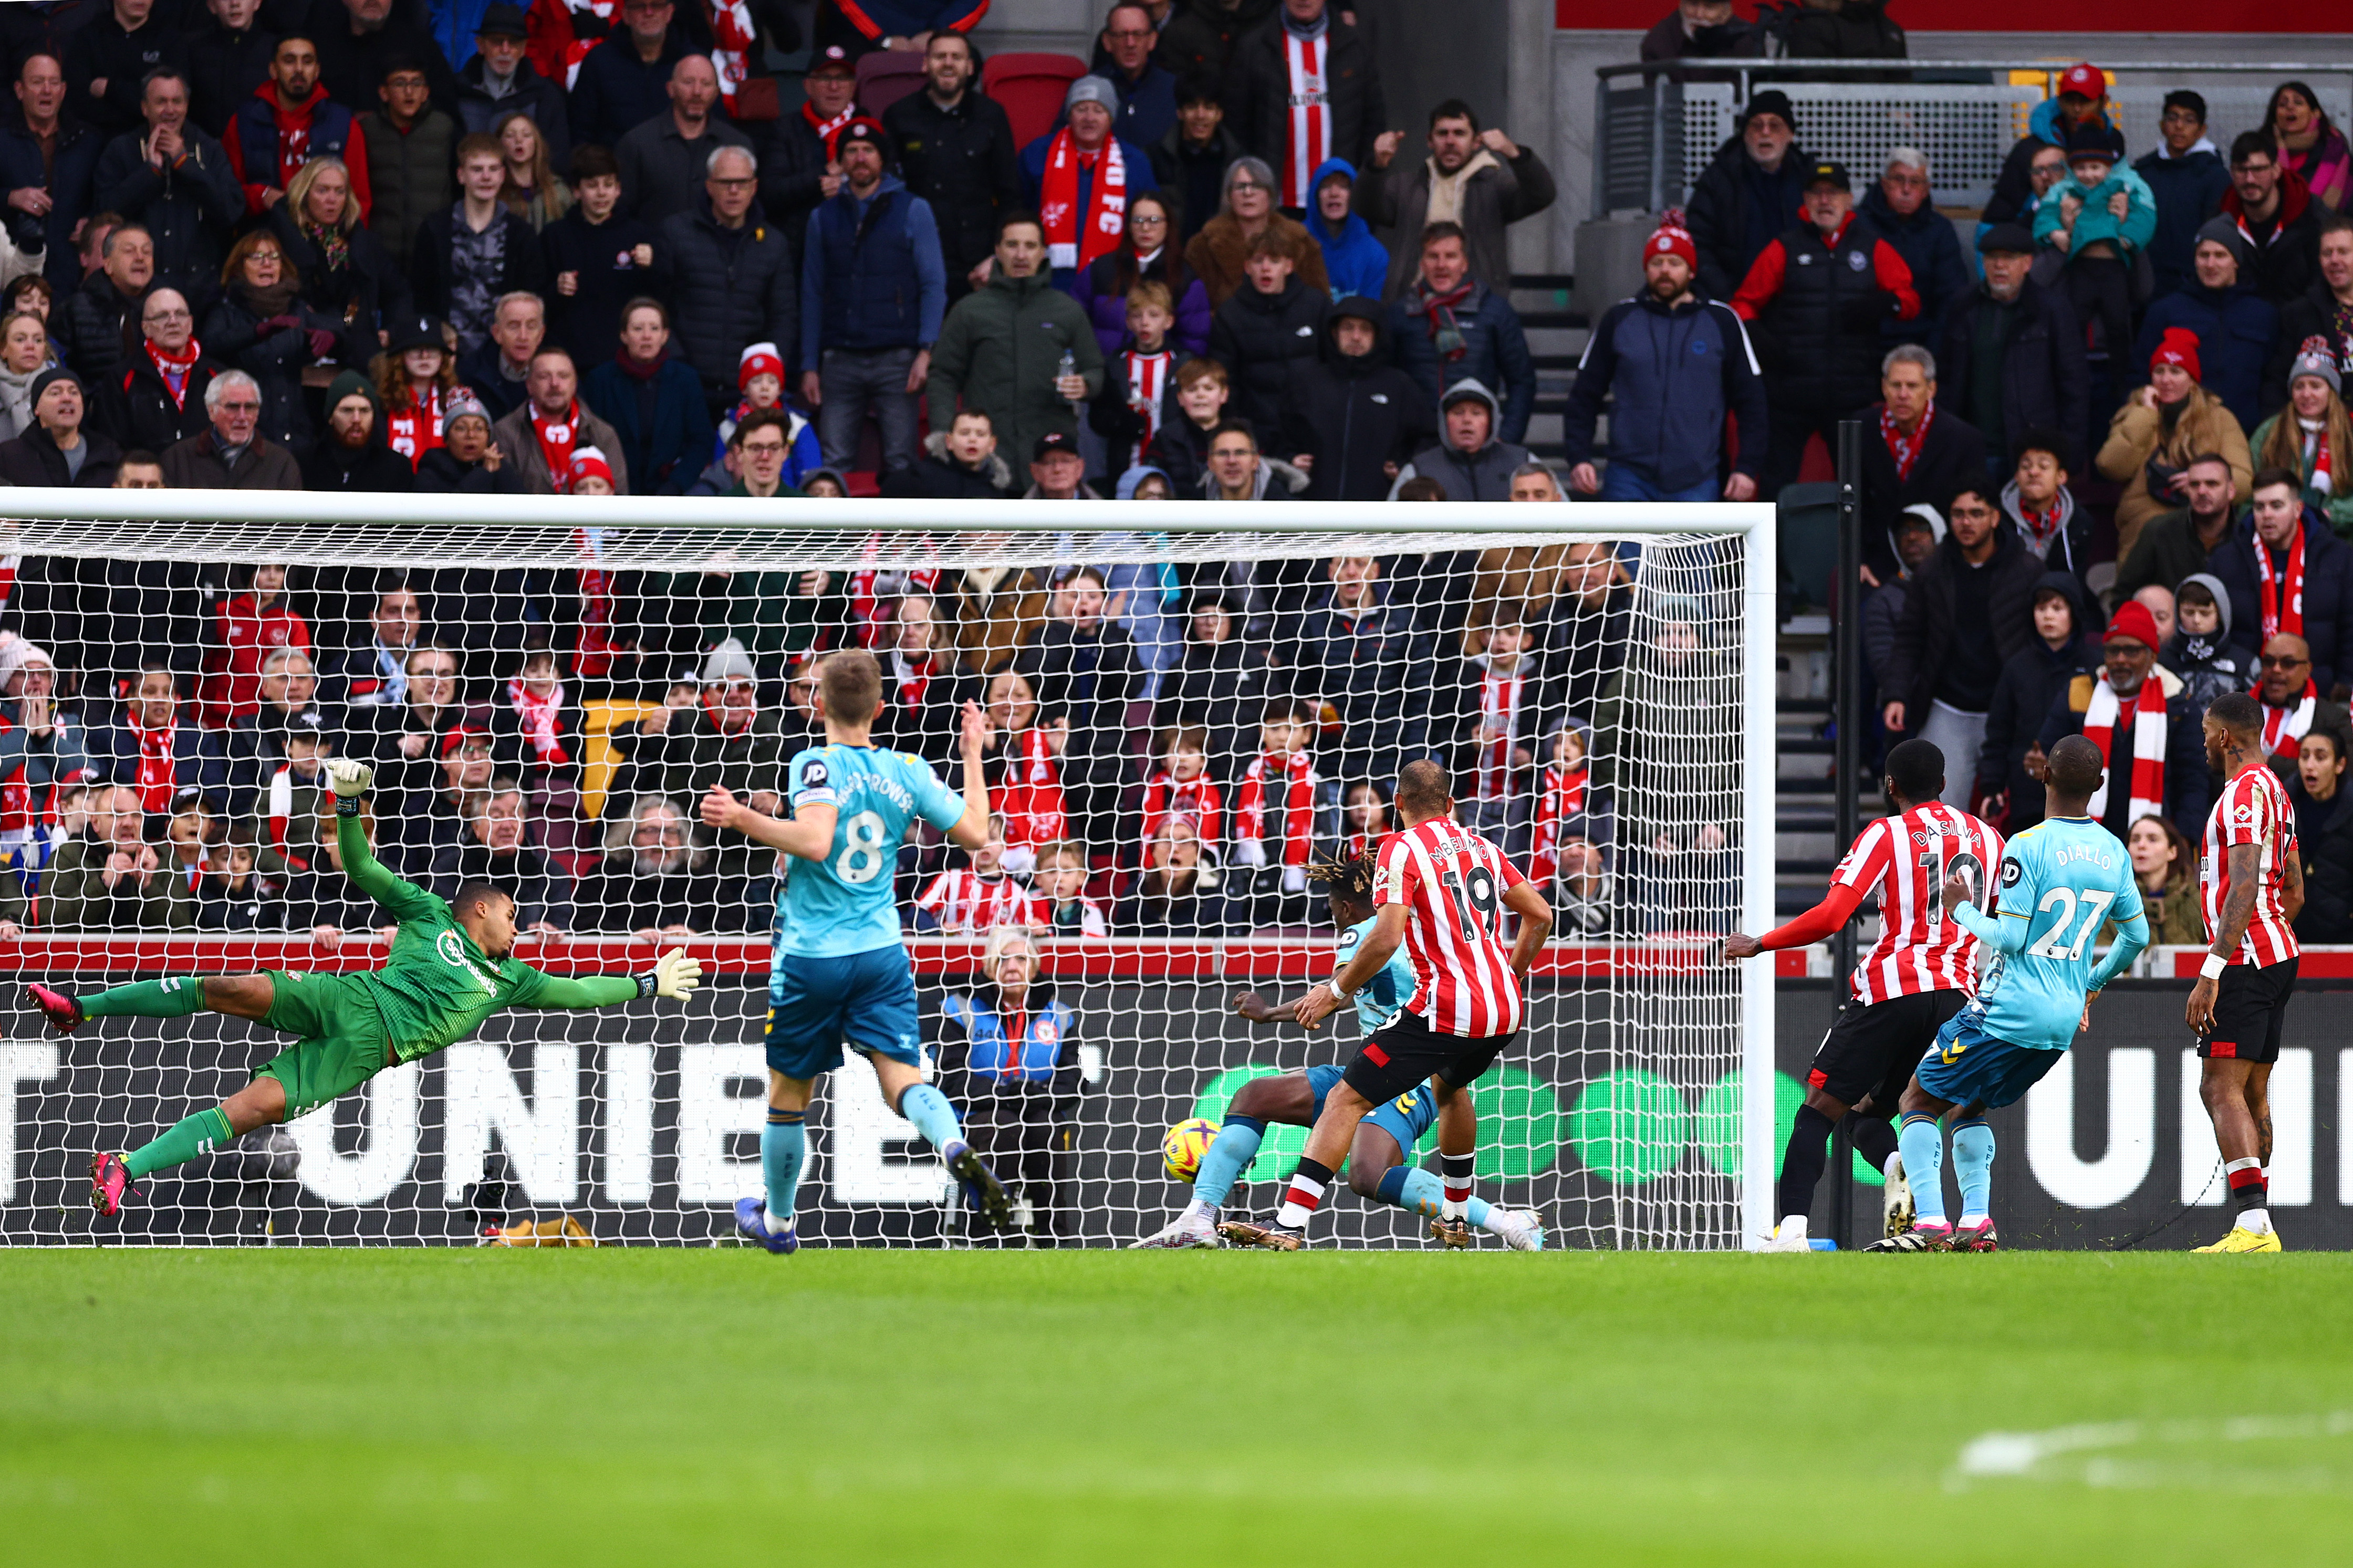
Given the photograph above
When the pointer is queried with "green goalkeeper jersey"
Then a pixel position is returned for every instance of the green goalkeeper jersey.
(438, 987)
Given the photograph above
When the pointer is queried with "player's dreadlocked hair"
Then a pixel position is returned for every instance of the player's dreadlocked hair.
(1353, 876)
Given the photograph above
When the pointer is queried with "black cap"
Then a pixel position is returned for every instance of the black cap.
(2090, 139)
(417, 332)
(866, 129)
(832, 56)
(307, 722)
(1053, 441)
(2014, 237)
(502, 21)
(1830, 173)
(1772, 100)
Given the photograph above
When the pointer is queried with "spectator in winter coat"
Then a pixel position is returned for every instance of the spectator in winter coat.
(960, 463)
(2082, 99)
(1078, 178)
(351, 455)
(2013, 358)
(2185, 178)
(1361, 651)
(228, 55)
(1702, 29)
(2235, 326)
(2292, 702)
(2175, 544)
(622, 81)
(1191, 161)
(2152, 438)
(346, 274)
(2093, 706)
(1753, 191)
(287, 122)
(1450, 328)
(495, 850)
(1265, 333)
(1356, 262)
(174, 180)
(355, 39)
(653, 402)
(540, 436)
(1181, 447)
(1198, 37)
(1236, 471)
(1219, 253)
(2283, 554)
(1678, 363)
(1003, 348)
(475, 252)
(2323, 836)
(956, 150)
(94, 315)
(2099, 217)
(55, 450)
(664, 159)
(597, 260)
(1917, 534)
(48, 164)
(1470, 460)
(108, 58)
(1148, 93)
(2325, 311)
(412, 147)
(1913, 450)
(1263, 80)
(2308, 147)
(1481, 180)
(2042, 509)
(1966, 613)
(464, 463)
(234, 455)
(2278, 216)
(730, 272)
(501, 80)
(2305, 437)
(1906, 216)
(2200, 650)
(260, 325)
(2031, 680)
(1819, 292)
(153, 744)
(159, 398)
(1145, 255)
(1354, 418)
(795, 152)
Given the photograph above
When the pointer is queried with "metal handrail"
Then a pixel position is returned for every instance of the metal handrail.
(2049, 67)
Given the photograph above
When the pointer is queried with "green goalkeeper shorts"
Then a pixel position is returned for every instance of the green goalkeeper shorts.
(342, 1042)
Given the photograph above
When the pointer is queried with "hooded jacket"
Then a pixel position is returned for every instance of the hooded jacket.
(1398, 199)
(1482, 475)
(2236, 329)
(1494, 355)
(1675, 371)
(2210, 665)
(1263, 340)
(2187, 191)
(2328, 592)
(2070, 550)
(997, 352)
(2013, 188)
(1274, 480)
(1355, 261)
(1356, 414)
(2286, 260)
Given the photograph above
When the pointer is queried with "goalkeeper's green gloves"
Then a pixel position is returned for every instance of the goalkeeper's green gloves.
(349, 780)
(673, 974)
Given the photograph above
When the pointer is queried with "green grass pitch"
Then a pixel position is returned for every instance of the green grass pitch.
(724, 1407)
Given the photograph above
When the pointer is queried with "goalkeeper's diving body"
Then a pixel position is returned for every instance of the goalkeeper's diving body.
(452, 965)
(1380, 1155)
(838, 971)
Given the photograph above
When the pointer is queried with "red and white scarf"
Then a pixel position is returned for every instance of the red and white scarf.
(1309, 142)
(2102, 718)
(732, 39)
(1030, 796)
(2282, 596)
(1147, 383)
(1195, 800)
(1562, 798)
(2319, 465)
(1498, 710)
(281, 814)
(416, 429)
(540, 716)
(2285, 728)
(158, 768)
(828, 130)
(15, 801)
(1297, 774)
(556, 440)
(593, 652)
(1904, 449)
(914, 680)
(175, 369)
(1074, 238)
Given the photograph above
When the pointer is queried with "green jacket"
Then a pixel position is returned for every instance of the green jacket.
(998, 352)
(2338, 507)
(753, 760)
(766, 611)
(75, 897)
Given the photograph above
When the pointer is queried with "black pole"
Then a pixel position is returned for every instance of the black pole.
(1848, 665)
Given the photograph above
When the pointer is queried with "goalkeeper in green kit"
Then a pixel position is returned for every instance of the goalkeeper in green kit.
(451, 968)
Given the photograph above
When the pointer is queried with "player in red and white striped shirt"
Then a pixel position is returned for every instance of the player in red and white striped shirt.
(1917, 977)
(2251, 881)
(1442, 889)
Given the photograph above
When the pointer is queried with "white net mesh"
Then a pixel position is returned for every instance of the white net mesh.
(1183, 722)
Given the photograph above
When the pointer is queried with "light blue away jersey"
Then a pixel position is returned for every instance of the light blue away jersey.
(2061, 881)
(847, 902)
(1386, 991)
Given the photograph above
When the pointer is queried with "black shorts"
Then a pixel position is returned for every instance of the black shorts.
(2250, 1010)
(1873, 1050)
(1405, 1050)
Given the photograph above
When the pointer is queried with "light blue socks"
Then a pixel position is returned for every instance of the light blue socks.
(1923, 1143)
(1229, 1155)
(784, 1149)
(1420, 1192)
(1973, 1168)
(933, 1116)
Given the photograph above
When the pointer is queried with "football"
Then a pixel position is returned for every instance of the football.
(1185, 1143)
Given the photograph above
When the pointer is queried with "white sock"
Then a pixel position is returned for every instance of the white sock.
(777, 1226)
(1971, 1220)
(1292, 1217)
(2256, 1220)
(1206, 1211)
(1791, 1228)
(1893, 1169)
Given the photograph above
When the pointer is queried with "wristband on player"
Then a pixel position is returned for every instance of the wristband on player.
(347, 805)
(1332, 985)
(2214, 966)
(648, 983)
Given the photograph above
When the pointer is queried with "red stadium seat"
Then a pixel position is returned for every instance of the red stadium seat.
(1030, 89)
(886, 75)
(758, 99)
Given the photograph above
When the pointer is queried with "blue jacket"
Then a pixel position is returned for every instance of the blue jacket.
(1147, 106)
(2235, 328)
(1932, 250)
(1675, 372)
(871, 276)
(2187, 190)
(1495, 354)
(1357, 262)
(666, 453)
(992, 1054)
(2094, 223)
(1140, 177)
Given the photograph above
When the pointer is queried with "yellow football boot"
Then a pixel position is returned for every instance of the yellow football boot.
(2243, 1241)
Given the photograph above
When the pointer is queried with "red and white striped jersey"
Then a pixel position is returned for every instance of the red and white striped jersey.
(2253, 808)
(1906, 860)
(962, 900)
(1452, 883)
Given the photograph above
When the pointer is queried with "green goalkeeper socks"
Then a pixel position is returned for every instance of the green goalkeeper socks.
(184, 1141)
(175, 997)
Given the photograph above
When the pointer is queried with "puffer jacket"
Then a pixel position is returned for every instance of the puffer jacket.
(725, 295)
(1494, 355)
(1263, 340)
(1482, 475)
(1355, 416)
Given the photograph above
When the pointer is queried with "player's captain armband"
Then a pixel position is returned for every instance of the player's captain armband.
(2214, 967)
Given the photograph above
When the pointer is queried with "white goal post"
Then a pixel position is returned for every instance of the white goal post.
(1636, 1110)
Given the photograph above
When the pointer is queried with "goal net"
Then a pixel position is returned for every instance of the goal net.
(1193, 710)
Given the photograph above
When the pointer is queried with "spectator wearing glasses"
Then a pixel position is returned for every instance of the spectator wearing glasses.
(650, 883)
(411, 151)
(172, 177)
(2186, 176)
(2294, 704)
(233, 455)
(1220, 254)
(1906, 215)
(730, 270)
(160, 398)
(2276, 214)
(1147, 254)
(1147, 94)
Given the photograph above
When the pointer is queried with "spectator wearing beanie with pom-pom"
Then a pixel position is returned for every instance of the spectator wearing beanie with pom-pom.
(2152, 438)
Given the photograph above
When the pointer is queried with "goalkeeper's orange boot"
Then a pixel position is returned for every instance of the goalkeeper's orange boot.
(110, 1179)
(62, 1011)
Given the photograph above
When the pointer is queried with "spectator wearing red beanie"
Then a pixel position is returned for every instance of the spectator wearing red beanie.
(2152, 438)
(2146, 723)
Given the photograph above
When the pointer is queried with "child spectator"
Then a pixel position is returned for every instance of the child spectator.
(2043, 509)
(1500, 705)
(2099, 217)
(1139, 380)
(1364, 819)
(544, 716)
(1179, 892)
(2200, 650)
(1180, 448)
(1182, 788)
(979, 895)
(414, 377)
(192, 834)
(1355, 261)
(760, 377)
(1279, 786)
(1061, 883)
(1563, 795)
(245, 631)
(1027, 790)
(290, 806)
(825, 484)
(591, 475)
(235, 895)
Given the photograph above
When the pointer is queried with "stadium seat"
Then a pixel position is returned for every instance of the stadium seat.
(600, 762)
(1030, 89)
(886, 75)
(758, 99)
